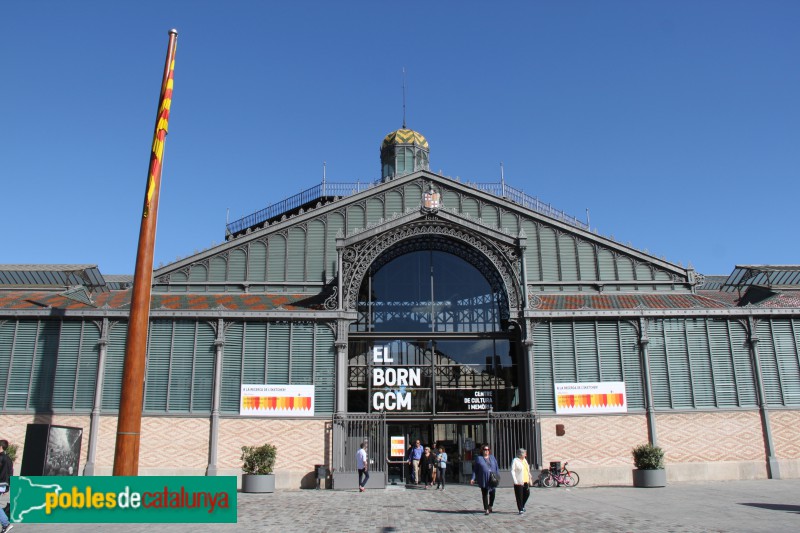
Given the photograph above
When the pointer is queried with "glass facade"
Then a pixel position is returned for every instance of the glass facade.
(429, 340)
(428, 291)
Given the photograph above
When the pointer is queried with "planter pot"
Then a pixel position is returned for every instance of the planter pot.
(258, 483)
(650, 478)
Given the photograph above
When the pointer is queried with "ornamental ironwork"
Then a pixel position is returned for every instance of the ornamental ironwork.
(498, 262)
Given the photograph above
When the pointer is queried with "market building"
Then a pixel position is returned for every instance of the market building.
(415, 307)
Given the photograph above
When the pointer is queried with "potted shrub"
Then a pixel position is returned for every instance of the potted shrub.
(257, 465)
(649, 462)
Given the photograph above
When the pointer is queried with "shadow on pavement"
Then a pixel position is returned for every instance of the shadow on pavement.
(775, 507)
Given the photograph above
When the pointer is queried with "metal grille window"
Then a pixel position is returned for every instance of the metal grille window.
(567, 352)
(115, 360)
(699, 363)
(180, 366)
(276, 353)
(76, 370)
(780, 360)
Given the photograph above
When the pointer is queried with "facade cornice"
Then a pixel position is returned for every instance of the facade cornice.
(660, 313)
(316, 316)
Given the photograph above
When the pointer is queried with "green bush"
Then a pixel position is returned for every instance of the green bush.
(259, 460)
(12, 452)
(648, 457)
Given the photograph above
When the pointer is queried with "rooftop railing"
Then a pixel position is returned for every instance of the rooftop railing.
(503, 190)
(341, 190)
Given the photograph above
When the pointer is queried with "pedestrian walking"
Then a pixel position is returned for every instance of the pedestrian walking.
(362, 463)
(483, 469)
(441, 467)
(414, 457)
(434, 451)
(521, 474)
(428, 466)
(7, 526)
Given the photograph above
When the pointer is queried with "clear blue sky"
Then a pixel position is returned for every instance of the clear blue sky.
(676, 123)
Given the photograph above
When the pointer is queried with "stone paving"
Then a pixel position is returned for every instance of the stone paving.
(752, 506)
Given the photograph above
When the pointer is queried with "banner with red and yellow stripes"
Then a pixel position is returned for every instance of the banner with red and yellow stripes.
(591, 398)
(277, 400)
(160, 135)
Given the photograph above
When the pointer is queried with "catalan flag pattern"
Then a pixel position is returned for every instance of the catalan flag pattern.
(276, 403)
(160, 136)
(583, 401)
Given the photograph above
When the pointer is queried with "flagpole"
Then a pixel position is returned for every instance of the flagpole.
(129, 423)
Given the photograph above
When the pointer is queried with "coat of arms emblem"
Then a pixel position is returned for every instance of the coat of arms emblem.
(431, 200)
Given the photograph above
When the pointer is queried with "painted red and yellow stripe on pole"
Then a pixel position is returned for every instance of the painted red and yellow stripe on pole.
(160, 136)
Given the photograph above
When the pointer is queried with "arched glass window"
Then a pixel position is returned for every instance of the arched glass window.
(427, 290)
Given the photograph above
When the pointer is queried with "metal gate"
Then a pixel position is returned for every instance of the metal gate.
(509, 431)
(349, 431)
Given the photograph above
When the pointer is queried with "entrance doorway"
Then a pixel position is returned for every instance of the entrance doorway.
(389, 440)
(459, 440)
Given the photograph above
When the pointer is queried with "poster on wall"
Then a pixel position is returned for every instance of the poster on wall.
(63, 451)
(591, 398)
(277, 400)
(398, 446)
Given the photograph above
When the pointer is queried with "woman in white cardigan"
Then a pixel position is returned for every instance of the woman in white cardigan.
(521, 474)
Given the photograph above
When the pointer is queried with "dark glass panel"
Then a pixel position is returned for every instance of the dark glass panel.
(427, 290)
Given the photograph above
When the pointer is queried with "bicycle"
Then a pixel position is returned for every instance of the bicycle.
(565, 477)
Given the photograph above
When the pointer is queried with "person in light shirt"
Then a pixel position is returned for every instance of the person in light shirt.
(521, 474)
(441, 465)
(414, 457)
(362, 463)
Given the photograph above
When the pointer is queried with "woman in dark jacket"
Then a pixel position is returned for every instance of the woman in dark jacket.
(428, 466)
(483, 465)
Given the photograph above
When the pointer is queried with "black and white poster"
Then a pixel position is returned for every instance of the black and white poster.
(63, 451)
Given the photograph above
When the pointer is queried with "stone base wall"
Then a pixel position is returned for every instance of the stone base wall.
(180, 446)
(301, 444)
(712, 446)
(699, 446)
(711, 437)
(597, 447)
(785, 427)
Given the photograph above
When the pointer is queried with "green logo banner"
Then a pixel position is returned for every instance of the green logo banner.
(122, 499)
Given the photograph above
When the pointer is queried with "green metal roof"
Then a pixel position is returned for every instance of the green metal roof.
(773, 276)
(51, 276)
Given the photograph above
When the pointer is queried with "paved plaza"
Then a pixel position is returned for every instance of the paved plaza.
(750, 506)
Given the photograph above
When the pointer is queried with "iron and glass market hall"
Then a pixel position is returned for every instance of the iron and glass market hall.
(415, 307)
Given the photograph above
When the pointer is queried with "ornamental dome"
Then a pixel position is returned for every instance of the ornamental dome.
(404, 136)
(402, 152)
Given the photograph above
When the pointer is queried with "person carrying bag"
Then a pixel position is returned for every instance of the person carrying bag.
(483, 469)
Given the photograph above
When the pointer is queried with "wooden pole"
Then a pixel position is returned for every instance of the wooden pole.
(126, 453)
